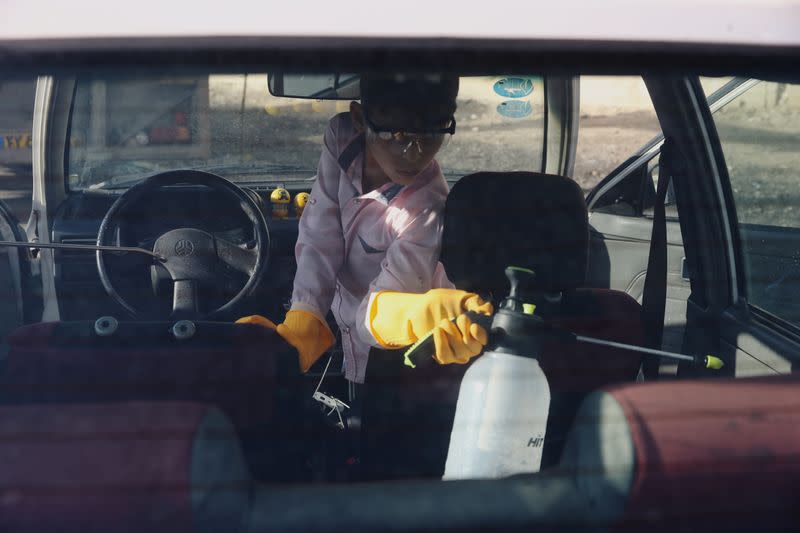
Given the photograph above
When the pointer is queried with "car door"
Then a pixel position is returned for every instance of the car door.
(740, 230)
(16, 295)
(621, 217)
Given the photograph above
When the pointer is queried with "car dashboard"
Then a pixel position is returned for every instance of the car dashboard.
(81, 295)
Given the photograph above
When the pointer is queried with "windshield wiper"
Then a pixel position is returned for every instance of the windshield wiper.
(253, 168)
(119, 182)
(124, 182)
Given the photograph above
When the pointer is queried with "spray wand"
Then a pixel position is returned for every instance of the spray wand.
(521, 280)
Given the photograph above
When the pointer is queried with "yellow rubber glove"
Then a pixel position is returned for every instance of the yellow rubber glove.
(458, 342)
(309, 335)
(399, 319)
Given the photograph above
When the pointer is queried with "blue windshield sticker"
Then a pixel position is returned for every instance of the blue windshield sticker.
(514, 87)
(515, 108)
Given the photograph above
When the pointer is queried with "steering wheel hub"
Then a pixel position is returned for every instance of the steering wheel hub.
(190, 254)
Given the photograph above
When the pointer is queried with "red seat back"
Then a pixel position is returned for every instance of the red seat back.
(714, 454)
(581, 368)
(120, 467)
(574, 370)
(231, 366)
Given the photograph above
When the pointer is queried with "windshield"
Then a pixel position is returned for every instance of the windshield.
(241, 309)
(123, 129)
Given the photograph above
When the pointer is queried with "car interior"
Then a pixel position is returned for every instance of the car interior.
(168, 416)
(253, 265)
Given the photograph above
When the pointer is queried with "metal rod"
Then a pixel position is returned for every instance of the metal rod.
(592, 340)
(87, 247)
(322, 377)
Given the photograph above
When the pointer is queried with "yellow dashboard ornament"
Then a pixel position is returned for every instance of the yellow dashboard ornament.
(300, 202)
(280, 198)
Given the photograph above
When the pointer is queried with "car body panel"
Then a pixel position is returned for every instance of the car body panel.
(712, 21)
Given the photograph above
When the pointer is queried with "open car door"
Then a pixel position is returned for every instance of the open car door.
(732, 279)
(621, 221)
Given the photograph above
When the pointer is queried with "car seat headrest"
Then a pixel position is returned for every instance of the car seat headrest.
(497, 219)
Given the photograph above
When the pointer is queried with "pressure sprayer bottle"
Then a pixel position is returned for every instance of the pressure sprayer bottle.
(501, 414)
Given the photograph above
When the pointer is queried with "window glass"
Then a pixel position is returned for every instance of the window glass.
(123, 129)
(616, 119)
(500, 126)
(760, 136)
(16, 120)
(760, 132)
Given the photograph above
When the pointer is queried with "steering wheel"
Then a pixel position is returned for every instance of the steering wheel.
(191, 256)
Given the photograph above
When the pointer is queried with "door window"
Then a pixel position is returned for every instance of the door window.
(616, 119)
(760, 135)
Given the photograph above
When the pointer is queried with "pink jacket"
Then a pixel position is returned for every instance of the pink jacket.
(352, 245)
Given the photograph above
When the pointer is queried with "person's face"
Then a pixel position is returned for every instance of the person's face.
(402, 142)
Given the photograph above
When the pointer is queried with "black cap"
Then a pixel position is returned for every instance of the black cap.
(433, 93)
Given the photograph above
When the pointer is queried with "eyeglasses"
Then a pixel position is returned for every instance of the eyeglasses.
(403, 136)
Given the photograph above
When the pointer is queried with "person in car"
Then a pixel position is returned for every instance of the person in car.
(370, 234)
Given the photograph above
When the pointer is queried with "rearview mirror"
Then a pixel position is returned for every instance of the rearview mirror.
(316, 86)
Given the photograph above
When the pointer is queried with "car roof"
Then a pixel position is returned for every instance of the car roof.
(742, 22)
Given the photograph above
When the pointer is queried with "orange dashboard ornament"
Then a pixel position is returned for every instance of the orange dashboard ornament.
(300, 202)
(280, 198)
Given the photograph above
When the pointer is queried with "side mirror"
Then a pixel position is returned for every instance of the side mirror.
(630, 196)
(316, 86)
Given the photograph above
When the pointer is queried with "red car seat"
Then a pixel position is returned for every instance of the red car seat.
(491, 221)
(722, 454)
(120, 467)
(248, 371)
(699, 455)
(539, 221)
